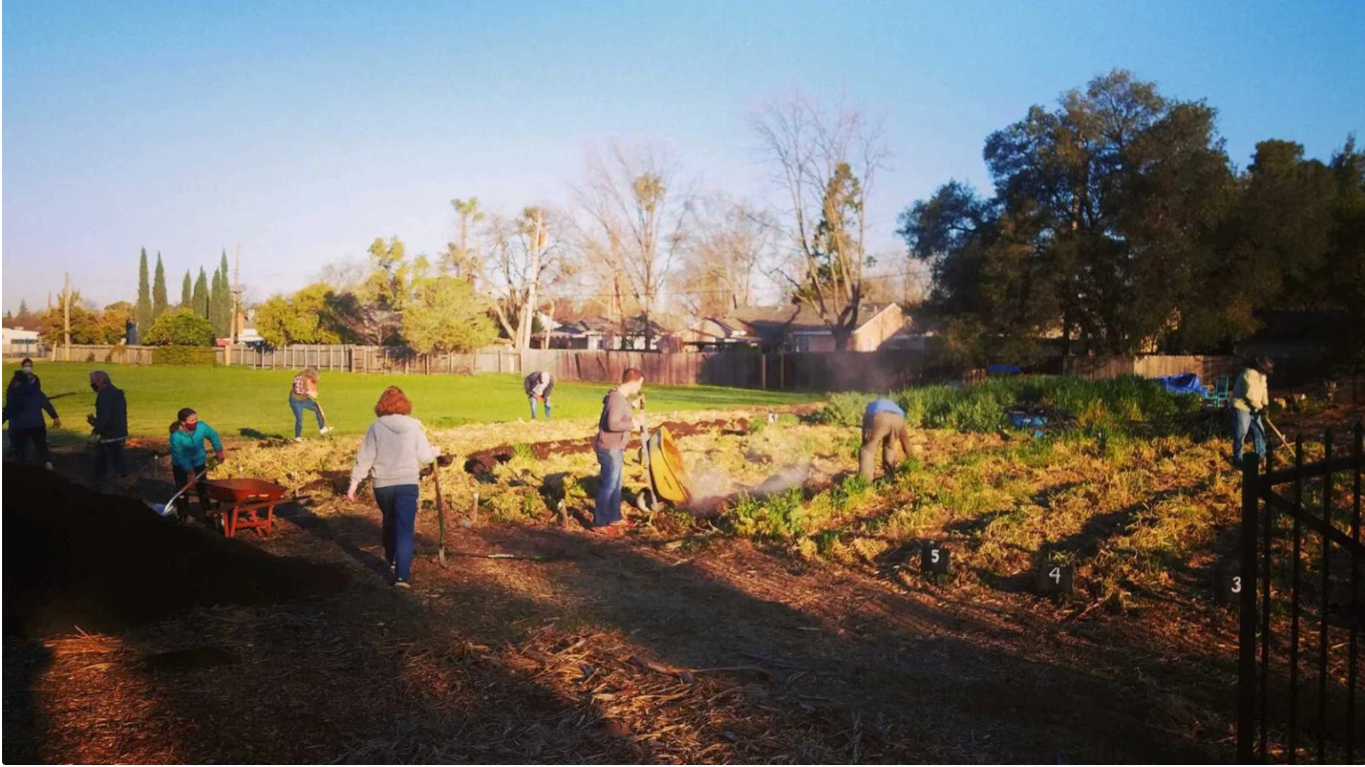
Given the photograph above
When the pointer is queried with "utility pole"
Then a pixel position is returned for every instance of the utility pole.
(236, 302)
(66, 313)
(236, 289)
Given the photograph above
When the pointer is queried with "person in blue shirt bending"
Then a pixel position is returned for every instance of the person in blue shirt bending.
(188, 457)
(883, 427)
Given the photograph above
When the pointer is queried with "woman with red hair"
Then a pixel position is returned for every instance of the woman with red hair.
(394, 451)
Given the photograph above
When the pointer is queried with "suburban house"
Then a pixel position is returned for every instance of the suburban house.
(19, 342)
(606, 334)
(798, 328)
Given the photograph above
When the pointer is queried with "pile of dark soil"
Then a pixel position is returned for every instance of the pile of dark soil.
(74, 557)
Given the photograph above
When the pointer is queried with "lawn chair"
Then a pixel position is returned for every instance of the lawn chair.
(1217, 396)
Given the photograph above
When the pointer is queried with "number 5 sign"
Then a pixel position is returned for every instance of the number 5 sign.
(934, 559)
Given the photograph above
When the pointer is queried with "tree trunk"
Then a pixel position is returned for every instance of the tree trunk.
(529, 310)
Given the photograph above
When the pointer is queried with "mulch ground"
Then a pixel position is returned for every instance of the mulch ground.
(641, 649)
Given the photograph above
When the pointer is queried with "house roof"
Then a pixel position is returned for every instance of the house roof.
(635, 326)
(771, 323)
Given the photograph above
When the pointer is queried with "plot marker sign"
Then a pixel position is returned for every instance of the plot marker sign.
(1056, 579)
(934, 559)
(1229, 587)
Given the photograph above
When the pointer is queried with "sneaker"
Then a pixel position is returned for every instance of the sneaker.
(298, 439)
(324, 430)
(402, 584)
(48, 466)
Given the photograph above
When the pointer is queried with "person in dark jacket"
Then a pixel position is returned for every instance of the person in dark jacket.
(538, 386)
(109, 426)
(26, 367)
(613, 434)
(24, 408)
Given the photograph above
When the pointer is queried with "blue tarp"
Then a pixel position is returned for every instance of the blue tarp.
(1004, 369)
(1185, 383)
(1024, 420)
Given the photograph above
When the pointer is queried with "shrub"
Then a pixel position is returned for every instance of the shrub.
(180, 327)
(184, 355)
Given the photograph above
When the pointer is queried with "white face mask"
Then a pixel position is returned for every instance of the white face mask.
(28, 369)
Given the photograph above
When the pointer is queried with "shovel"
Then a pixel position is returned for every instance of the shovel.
(168, 508)
(643, 504)
(440, 507)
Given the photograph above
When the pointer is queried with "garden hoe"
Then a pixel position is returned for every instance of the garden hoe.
(1273, 428)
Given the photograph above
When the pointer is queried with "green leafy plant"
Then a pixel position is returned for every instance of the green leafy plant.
(180, 327)
(184, 355)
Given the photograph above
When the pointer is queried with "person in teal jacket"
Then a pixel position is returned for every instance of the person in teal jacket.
(188, 457)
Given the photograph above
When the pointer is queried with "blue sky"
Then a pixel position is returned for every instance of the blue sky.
(303, 130)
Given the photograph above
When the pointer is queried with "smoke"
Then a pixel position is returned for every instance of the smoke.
(711, 488)
(792, 476)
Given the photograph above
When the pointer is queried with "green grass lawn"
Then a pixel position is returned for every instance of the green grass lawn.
(241, 402)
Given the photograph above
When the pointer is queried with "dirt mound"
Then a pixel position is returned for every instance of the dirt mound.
(74, 557)
(485, 461)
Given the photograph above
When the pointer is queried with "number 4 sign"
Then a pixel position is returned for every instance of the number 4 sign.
(1056, 579)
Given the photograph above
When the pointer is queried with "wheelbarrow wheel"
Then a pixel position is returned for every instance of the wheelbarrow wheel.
(646, 502)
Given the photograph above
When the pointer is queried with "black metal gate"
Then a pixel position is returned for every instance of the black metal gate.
(1300, 565)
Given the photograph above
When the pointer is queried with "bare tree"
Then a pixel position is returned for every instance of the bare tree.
(825, 161)
(636, 219)
(525, 252)
(730, 241)
(344, 275)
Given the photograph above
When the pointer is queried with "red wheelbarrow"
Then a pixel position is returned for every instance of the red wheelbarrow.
(250, 504)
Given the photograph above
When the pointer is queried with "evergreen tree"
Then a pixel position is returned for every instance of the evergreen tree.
(227, 295)
(201, 294)
(23, 307)
(220, 299)
(159, 300)
(144, 295)
(185, 291)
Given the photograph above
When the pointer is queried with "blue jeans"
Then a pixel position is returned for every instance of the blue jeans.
(546, 408)
(300, 405)
(107, 453)
(398, 504)
(608, 508)
(1243, 422)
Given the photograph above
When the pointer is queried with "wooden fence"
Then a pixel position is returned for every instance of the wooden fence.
(1208, 368)
(806, 371)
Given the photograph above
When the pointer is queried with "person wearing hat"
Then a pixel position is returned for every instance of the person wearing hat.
(1250, 397)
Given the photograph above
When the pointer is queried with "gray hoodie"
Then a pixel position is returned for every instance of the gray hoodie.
(395, 449)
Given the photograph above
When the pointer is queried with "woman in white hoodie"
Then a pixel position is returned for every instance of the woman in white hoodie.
(394, 451)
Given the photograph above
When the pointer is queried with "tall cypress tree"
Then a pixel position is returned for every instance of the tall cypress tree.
(186, 298)
(216, 305)
(159, 301)
(224, 297)
(201, 294)
(144, 296)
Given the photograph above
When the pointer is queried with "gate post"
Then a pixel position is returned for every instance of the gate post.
(1246, 642)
